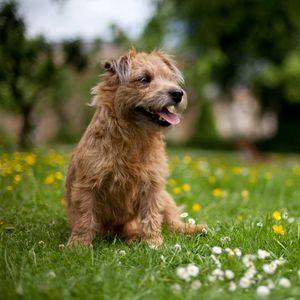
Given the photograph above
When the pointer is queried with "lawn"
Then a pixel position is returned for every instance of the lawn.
(249, 208)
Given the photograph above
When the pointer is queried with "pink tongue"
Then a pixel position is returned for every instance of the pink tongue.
(169, 117)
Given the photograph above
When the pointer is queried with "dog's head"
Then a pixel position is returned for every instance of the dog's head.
(148, 88)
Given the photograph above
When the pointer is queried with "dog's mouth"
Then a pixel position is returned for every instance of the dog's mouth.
(165, 117)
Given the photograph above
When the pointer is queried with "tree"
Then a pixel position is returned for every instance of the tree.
(27, 68)
(254, 43)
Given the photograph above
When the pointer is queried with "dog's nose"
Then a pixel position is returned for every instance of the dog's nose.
(176, 95)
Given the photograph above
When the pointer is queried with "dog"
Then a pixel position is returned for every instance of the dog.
(117, 175)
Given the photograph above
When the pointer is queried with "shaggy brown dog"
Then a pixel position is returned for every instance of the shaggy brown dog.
(117, 176)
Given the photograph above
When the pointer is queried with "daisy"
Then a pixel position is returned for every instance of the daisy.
(192, 270)
(191, 221)
(184, 215)
(244, 282)
(177, 247)
(182, 273)
(196, 284)
(284, 282)
(262, 254)
(269, 268)
(216, 250)
(232, 286)
(262, 291)
(229, 274)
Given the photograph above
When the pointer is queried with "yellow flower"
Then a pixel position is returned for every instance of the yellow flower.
(58, 175)
(172, 182)
(187, 159)
(276, 215)
(9, 188)
(49, 179)
(17, 179)
(278, 229)
(252, 179)
(177, 190)
(296, 170)
(289, 182)
(217, 192)
(30, 159)
(212, 179)
(196, 207)
(18, 168)
(245, 194)
(186, 187)
(236, 170)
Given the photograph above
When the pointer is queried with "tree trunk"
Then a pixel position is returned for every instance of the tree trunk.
(25, 138)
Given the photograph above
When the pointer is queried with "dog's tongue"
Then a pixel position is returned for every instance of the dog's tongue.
(169, 117)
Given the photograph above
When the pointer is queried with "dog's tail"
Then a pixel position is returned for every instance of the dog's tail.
(171, 218)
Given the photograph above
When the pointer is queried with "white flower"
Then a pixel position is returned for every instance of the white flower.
(61, 246)
(177, 247)
(42, 243)
(284, 282)
(204, 230)
(191, 221)
(248, 260)
(51, 274)
(279, 262)
(285, 215)
(211, 278)
(237, 252)
(216, 250)
(192, 270)
(175, 287)
(262, 291)
(250, 273)
(291, 220)
(184, 215)
(269, 268)
(229, 274)
(271, 284)
(259, 224)
(225, 239)
(262, 254)
(196, 284)
(229, 252)
(232, 286)
(216, 261)
(122, 252)
(218, 274)
(163, 259)
(244, 282)
(182, 273)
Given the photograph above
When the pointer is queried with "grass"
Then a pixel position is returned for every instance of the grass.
(236, 200)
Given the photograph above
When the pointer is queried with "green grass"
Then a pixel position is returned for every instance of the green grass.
(234, 198)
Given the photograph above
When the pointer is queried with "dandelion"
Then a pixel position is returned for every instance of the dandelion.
(236, 170)
(191, 221)
(232, 286)
(49, 179)
(184, 215)
(196, 285)
(182, 273)
(177, 247)
(229, 274)
(262, 291)
(58, 175)
(217, 192)
(262, 254)
(278, 229)
(177, 190)
(196, 207)
(216, 250)
(284, 282)
(30, 159)
(244, 282)
(17, 179)
(192, 270)
(245, 194)
(186, 187)
(276, 215)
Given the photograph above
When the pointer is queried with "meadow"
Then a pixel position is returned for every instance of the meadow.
(251, 249)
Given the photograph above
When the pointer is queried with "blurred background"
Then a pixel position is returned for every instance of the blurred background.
(240, 59)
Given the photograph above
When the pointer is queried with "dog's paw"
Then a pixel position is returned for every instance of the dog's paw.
(78, 242)
(202, 229)
(155, 242)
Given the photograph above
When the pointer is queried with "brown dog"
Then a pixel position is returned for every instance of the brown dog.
(117, 176)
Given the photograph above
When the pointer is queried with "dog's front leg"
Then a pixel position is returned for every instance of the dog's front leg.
(81, 211)
(151, 221)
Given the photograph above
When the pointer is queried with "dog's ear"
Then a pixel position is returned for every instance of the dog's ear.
(120, 67)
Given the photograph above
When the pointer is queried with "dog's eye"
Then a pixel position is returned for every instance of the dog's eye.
(145, 79)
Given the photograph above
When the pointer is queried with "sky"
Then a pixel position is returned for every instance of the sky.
(87, 19)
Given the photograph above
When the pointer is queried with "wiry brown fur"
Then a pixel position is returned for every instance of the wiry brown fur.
(117, 175)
